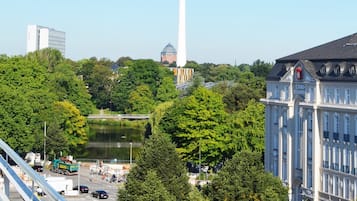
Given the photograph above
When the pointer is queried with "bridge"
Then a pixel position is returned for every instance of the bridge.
(114, 144)
(119, 116)
(9, 175)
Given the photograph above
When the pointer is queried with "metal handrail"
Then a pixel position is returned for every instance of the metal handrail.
(20, 186)
(51, 192)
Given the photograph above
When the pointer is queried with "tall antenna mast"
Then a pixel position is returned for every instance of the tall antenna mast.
(181, 47)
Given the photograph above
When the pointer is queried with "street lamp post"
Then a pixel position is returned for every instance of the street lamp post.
(199, 159)
(44, 143)
(131, 153)
(79, 175)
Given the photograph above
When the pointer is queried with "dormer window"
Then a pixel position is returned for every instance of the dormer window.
(337, 70)
(352, 70)
(298, 71)
(323, 70)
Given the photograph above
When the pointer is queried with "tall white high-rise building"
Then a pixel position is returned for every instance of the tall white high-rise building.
(39, 37)
(181, 46)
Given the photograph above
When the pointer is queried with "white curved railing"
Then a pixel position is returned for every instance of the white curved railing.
(26, 193)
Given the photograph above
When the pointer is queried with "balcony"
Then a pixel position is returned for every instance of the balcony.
(346, 169)
(335, 166)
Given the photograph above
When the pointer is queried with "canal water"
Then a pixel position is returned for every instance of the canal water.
(114, 143)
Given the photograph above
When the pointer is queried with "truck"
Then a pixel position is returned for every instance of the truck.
(64, 166)
(34, 160)
(62, 185)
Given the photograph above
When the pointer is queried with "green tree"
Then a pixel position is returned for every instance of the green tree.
(244, 178)
(86, 69)
(193, 64)
(260, 68)
(159, 155)
(15, 118)
(73, 125)
(150, 189)
(167, 90)
(196, 195)
(140, 72)
(197, 82)
(66, 85)
(250, 124)
(197, 125)
(30, 86)
(248, 87)
(247, 129)
(56, 140)
(223, 88)
(141, 100)
(124, 61)
(100, 84)
(157, 115)
(24, 97)
(47, 57)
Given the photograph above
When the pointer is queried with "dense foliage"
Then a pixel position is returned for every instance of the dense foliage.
(42, 87)
(99, 78)
(243, 178)
(197, 126)
(159, 161)
(142, 72)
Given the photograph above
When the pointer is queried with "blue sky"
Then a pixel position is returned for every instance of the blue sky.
(218, 31)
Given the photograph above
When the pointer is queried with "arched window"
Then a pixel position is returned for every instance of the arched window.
(323, 70)
(352, 70)
(337, 70)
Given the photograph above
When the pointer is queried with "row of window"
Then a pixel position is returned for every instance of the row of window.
(330, 95)
(340, 159)
(337, 69)
(283, 94)
(336, 121)
(338, 95)
(341, 187)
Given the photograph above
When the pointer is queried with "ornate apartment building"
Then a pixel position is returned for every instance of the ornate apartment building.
(311, 121)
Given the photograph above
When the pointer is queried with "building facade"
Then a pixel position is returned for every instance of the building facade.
(311, 122)
(168, 55)
(39, 37)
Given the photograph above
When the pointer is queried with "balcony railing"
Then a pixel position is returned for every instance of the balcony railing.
(346, 169)
(335, 166)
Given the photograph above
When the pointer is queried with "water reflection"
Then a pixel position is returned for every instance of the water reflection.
(108, 142)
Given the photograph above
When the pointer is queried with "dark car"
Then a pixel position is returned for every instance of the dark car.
(82, 189)
(38, 168)
(100, 194)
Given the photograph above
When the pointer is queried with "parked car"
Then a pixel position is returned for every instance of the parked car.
(100, 194)
(82, 188)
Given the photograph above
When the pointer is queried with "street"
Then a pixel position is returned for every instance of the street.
(93, 181)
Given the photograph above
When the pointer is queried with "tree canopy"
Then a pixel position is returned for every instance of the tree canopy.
(30, 87)
(159, 156)
(196, 125)
(244, 178)
(138, 73)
